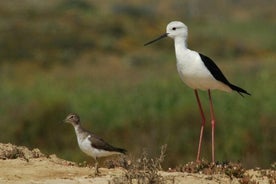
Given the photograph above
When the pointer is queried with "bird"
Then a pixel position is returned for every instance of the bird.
(90, 143)
(198, 72)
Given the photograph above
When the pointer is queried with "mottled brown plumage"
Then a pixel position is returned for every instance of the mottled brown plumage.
(90, 143)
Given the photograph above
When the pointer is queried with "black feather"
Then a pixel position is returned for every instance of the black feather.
(217, 74)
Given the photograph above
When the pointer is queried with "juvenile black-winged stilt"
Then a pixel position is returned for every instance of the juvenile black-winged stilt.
(90, 143)
(198, 72)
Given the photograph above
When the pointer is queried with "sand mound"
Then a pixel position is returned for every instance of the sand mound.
(19, 165)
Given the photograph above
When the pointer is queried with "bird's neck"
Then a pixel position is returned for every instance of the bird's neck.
(80, 133)
(180, 46)
(78, 129)
(180, 43)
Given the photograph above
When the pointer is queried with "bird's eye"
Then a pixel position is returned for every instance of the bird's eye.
(174, 28)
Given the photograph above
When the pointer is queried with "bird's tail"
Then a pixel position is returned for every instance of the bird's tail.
(239, 90)
(121, 150)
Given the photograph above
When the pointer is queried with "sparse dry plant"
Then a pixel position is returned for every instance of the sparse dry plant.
(145, 170)
(231, 169)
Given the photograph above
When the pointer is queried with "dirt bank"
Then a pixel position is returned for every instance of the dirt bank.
(20, 165)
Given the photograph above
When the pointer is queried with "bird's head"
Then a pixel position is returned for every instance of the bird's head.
(177, 29)
(174, 29)
(73, 119)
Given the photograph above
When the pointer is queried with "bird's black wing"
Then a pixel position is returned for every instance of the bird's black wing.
(214, 69)
(217, 74)
(99, 143)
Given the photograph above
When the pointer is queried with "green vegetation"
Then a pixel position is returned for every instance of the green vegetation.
(88, 57)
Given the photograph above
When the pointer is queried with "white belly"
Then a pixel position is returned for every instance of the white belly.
(195, 74)
(203, 82)
(86, 147)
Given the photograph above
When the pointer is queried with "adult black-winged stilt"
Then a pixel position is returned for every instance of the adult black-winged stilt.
(198, 72)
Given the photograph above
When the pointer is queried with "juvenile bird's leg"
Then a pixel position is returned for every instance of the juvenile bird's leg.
(202, 126)
(96, 167)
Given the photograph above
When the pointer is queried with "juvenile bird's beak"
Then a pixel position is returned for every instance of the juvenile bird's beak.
(156, 39)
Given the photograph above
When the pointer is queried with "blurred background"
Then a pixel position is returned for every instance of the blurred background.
(87, 56)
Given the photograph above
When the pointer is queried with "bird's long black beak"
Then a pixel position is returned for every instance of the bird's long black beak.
(156, 39)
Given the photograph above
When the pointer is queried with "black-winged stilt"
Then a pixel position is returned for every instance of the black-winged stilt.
(198, 72)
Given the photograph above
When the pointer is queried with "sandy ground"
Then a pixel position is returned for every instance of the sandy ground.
(20, 165)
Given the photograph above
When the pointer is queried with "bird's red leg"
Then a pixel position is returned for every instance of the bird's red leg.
(202, 126)
(213, 125)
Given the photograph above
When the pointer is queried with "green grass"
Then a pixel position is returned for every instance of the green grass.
(139, 112)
